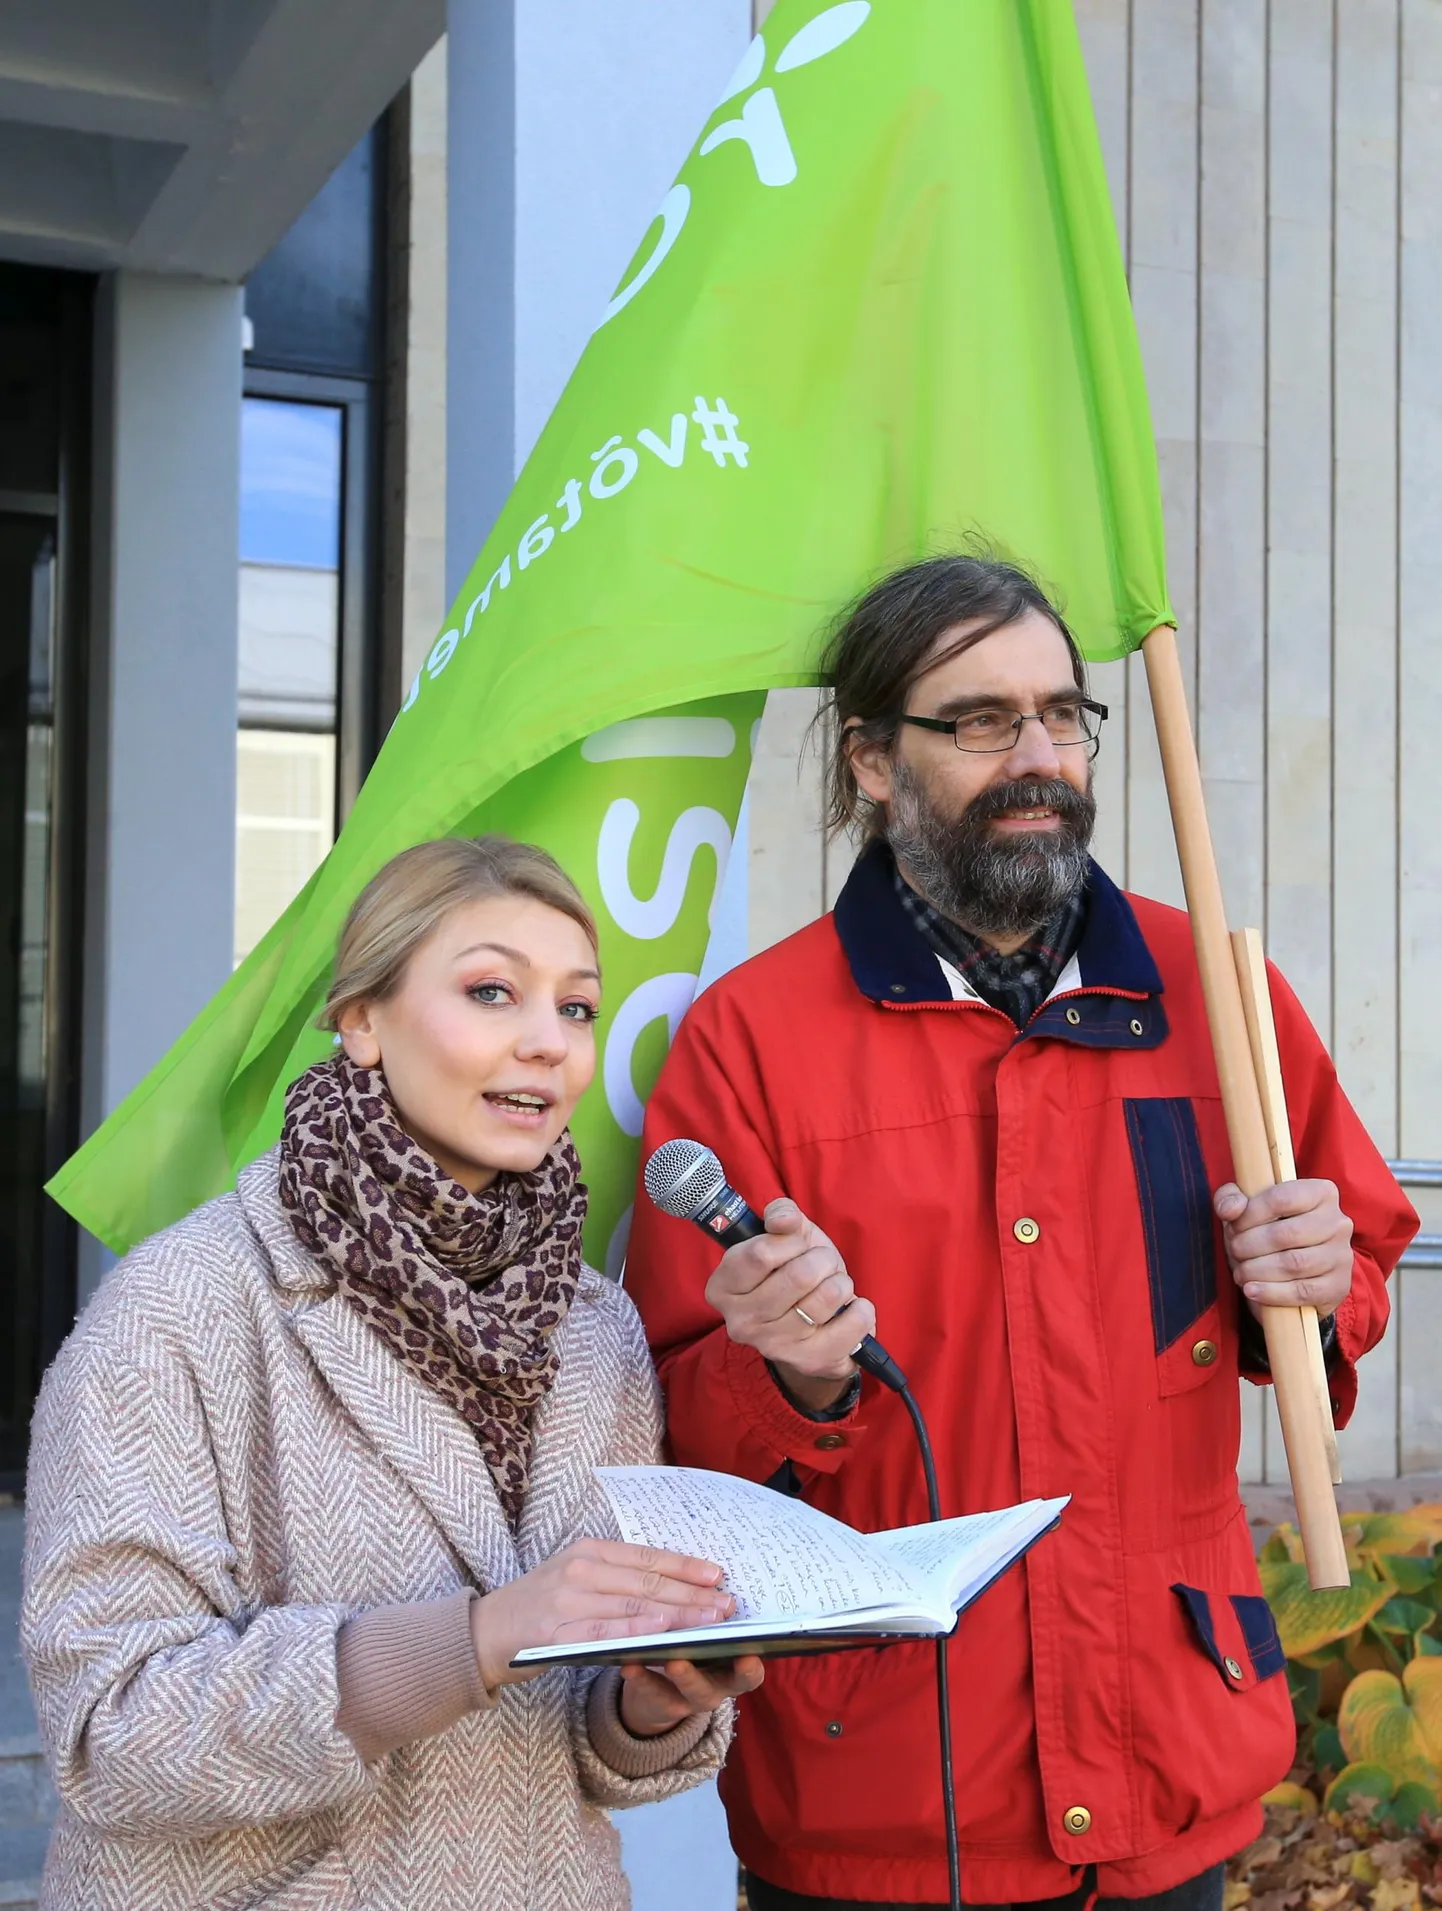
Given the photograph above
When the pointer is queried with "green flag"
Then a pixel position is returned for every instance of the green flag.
(882, 309)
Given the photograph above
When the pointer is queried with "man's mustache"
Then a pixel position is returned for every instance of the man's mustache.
(1032, 793)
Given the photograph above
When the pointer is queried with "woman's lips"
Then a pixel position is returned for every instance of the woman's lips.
(520, 1110)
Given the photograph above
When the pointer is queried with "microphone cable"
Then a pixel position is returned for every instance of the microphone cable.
(943, 1684)
(686, 1179)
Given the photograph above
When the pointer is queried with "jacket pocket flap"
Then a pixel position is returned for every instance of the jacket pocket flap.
(1237, 1633)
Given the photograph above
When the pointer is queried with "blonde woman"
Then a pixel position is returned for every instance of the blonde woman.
(317, 1462)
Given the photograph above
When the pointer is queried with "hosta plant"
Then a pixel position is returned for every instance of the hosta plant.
(1365, 1664)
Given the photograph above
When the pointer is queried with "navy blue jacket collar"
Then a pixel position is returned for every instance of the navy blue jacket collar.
(892, 962)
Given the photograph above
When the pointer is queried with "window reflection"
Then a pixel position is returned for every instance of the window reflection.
(290, 547)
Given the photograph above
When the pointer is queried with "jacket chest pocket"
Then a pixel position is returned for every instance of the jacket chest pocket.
(1180, 1233)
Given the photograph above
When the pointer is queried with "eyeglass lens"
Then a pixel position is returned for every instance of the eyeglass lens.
(1064, 723)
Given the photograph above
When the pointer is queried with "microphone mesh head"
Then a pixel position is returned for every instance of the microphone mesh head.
(682, 1177)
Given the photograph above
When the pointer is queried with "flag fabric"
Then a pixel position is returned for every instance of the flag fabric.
(881, 311)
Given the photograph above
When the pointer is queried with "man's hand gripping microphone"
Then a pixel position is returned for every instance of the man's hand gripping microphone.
(686, 1179)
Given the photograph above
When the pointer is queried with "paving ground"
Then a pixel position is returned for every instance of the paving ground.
(1268, 1506)
(27, 1801)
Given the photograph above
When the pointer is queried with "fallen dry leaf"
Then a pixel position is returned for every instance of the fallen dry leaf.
(1336, 1863)
(1397, 1894)
(1327, 1896)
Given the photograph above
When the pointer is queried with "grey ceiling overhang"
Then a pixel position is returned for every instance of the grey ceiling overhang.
(186, 135)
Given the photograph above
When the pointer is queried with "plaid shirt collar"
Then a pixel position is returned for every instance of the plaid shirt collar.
(1017, 984)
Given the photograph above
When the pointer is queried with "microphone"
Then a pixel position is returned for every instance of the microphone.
(686, 1179)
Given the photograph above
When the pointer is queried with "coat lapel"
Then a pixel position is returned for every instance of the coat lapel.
(426, 1442)
(573, 1428)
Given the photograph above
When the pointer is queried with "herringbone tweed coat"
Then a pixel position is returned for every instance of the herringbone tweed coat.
(227, 1463)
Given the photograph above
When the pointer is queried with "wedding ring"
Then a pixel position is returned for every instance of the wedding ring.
(805, 1316)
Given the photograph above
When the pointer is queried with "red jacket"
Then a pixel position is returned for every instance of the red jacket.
(1094, 1353)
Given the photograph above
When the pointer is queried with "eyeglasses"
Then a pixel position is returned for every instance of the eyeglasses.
(997, 730)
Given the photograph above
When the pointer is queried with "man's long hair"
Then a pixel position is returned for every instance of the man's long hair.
(883, 642)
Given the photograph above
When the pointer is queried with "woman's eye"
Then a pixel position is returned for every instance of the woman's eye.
(580, 1011)
(490, 992)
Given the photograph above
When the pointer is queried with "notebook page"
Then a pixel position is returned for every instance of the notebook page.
(957, 1556)
(782, 1559)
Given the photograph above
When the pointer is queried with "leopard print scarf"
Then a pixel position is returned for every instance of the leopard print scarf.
(467, 1289)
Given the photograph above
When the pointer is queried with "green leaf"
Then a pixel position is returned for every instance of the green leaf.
(1416, 1531)
(1360, 1788)
(1403, 1615)
(1384, 1721)
(1410, 1805)
(1308, 1620)
(1305, 1685)
(1327, 1752)
(1408, 1574)
(1370, 1635)
(1324, 1655)
(1283, 1547)
(1292, 1797)
(1427, 1646)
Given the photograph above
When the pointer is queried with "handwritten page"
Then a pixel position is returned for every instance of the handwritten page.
(782, 1559)
(955, 1556)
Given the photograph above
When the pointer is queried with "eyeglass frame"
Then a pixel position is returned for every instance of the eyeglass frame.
(946, 726)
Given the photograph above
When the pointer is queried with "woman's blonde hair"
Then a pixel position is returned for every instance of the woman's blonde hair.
(405, 901)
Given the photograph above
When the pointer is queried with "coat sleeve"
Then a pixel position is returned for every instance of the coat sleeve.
(167, 1707)
(1330, 1143)
(615, 1768)
(724, 1410)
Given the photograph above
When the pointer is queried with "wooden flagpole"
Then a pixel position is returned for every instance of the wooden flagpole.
(1251, 962)
(1292, 1372)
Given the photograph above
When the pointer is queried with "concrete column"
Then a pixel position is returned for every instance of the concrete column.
(567, 123)
(162, 840)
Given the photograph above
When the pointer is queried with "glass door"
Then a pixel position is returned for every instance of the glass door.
(44, 425)
(27, 637)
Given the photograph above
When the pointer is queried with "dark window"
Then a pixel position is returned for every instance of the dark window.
(44, 429)
(314, 301)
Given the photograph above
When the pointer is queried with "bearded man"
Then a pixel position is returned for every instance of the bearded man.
(980, 1100)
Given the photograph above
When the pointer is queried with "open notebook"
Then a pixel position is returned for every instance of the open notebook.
(802, 1581)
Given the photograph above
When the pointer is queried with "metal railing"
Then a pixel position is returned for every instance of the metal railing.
(1426, 1249)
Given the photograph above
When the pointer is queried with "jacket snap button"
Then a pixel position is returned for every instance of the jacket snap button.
(1073, 1016)
(833, 1728)
(1204, 1353)
(1026, 1230)
(828, 1442)
(1137, 1028)
(1077, 1819)
(1234, 1671)
(898, 988)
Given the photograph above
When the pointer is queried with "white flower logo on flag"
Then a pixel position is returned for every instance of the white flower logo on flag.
(759, 126)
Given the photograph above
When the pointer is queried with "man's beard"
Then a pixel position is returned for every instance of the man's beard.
(994, 884)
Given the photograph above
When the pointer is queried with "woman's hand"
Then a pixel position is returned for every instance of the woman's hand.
(594, 1589)
(653, 1700)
